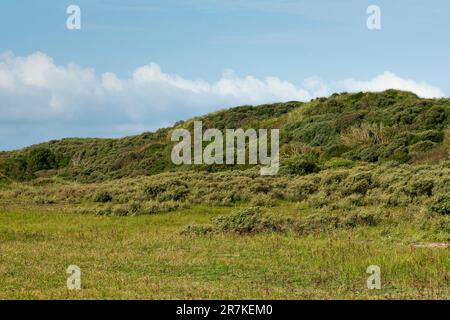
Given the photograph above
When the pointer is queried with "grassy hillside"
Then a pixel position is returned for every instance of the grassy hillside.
(326, 132)
(364, 180)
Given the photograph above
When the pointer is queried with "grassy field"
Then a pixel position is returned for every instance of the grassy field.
(147, 257)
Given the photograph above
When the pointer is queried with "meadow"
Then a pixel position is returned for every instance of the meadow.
(293, 238)
(146, 257)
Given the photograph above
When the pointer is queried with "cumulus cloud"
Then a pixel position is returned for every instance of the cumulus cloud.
(41, 100)
(389, 80)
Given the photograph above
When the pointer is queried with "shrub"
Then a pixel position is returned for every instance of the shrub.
(318, 200)
(436, 116)
(300, 166)
(395, 152)
(174, 190)
(420, 188)
(431, 135)
(249, 220)
(441, 205)
(334, 151)
(41, 159)
(135, 208)
(318, 133)
(262, 200)
(422, 146)
(3, 179)
(152, 190)
(103, 197)
(359, 183)
(349, 119)
(301, 189)
(16, 169)
(339, 163)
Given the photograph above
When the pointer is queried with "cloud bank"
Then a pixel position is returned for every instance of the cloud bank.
(41, 100)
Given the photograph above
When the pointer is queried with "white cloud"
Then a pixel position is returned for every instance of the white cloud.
(49, 101)
(389, 80)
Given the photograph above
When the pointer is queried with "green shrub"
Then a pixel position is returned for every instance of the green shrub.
(174, 190)
(334, 151)
(300, 166)
(441, 205)
(315, 133)
(299, 190)
(397, 151)
(339, 163)
(103, 197)
(349, 119)
(436, 116)
(422, 146)
(319, 200)
(16, 169)
(420, 188)
(41, 159)
(249, 220)
(262, 200)
(431, 135)
(359, 183)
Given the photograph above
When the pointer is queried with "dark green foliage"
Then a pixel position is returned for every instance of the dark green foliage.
(394, 152)
(422, 146)
(246, 116)
(334, 151)
(103, 197)
(315, 133)
(349, 119)
(436, 117)
(431, 135)
(16, 169)
(24, 167)
(420, 188)
(441, 205)
(364, 153)
(301, 166)
(41, 159)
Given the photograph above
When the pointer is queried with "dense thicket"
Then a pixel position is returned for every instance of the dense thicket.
(333, 132)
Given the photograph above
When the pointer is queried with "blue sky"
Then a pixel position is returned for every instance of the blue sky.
(137, 65)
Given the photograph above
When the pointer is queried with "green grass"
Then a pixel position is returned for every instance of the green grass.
(146, 257)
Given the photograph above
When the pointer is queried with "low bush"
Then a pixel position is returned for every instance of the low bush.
(249, 220)
(440, 205)
(421, 187)
(339, 163)
(359, 183)
(103, 197)
(300, 166)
